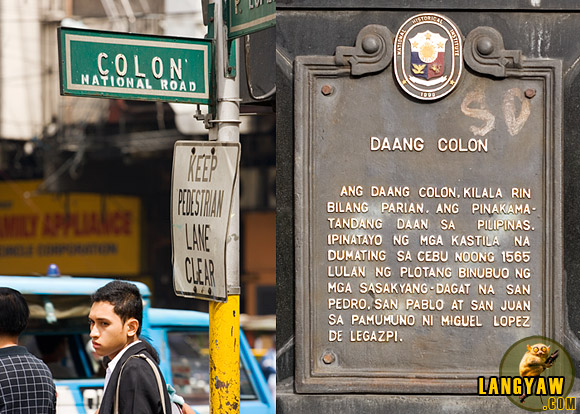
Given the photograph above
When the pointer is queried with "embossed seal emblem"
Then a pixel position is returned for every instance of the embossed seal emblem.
(428, 56)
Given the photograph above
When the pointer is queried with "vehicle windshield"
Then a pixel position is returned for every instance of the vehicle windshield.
(66, 313)
(57, 333)
(67, 356)
(190, 368)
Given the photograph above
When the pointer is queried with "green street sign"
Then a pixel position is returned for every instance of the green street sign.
(134, 66)
(248, 16)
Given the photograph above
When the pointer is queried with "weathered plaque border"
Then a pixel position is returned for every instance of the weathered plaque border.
(484, 54)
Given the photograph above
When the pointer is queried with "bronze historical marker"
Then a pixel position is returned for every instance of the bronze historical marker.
(428, 208)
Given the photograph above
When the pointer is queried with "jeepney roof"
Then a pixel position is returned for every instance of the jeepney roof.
(177, 318)
(61, 285)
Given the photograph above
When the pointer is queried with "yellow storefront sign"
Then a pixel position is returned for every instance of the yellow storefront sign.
(84, 234)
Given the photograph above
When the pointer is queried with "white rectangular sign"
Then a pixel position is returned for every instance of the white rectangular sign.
(204, 174)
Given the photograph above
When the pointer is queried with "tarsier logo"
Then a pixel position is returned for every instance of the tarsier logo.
(536, 374)
(428, 56)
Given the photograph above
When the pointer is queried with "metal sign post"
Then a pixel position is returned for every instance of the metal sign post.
(224, 329)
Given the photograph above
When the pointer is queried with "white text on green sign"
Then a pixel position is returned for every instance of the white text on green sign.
(129, 66)
(249, 16)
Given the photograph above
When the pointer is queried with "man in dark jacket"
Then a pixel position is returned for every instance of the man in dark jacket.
(26, 384)
(133, 380)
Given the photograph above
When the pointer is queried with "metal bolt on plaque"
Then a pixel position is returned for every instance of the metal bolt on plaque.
(328, 357)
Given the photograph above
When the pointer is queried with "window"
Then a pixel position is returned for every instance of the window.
(190, 368)
(66, 355)
(57, 333)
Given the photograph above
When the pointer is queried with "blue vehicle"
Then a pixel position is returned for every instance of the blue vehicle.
(58, 333)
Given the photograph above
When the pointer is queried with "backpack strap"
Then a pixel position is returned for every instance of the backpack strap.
(157, 377)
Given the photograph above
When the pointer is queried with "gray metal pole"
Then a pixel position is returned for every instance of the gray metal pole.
(224, 320)
(228, 130)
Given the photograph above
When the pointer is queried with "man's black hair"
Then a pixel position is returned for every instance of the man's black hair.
(125, 298)
(14, 312)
